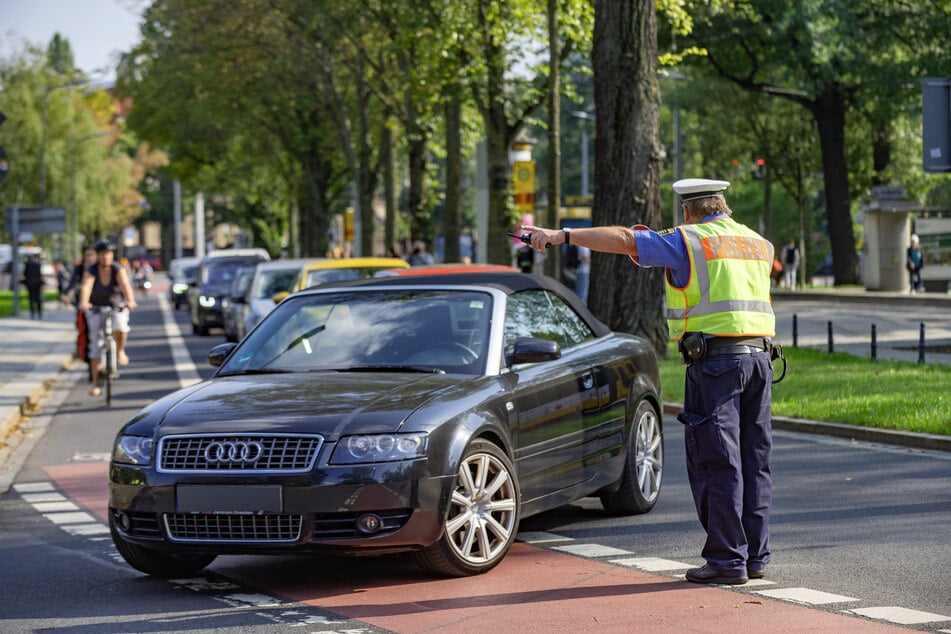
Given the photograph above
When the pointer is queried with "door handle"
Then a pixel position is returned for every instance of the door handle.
(587, 380)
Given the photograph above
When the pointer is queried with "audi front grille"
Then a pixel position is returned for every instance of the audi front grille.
(215, 453)
(195, 527)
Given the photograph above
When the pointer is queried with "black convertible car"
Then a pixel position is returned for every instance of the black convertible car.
(426, 414)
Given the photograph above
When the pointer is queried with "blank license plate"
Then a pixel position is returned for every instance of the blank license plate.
(262, 498)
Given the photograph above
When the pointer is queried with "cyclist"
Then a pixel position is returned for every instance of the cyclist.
(106, 283)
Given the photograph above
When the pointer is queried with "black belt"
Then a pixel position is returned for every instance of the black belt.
(736, 345)
(735, 350)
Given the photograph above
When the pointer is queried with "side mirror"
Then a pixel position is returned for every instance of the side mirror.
(280, 297)
(219, 353)
(535, 350)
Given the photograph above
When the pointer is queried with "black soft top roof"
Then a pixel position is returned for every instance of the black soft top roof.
(509, 282)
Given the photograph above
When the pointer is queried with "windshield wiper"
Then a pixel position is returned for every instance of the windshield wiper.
(257, 371)
(423, 369)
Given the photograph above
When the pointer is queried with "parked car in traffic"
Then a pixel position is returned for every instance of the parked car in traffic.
(234, 304)
(426, 414)
(270, 283)
(214, 276)
(181, 275)
(324, 271)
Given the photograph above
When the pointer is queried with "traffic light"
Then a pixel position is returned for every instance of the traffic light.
(760, 170)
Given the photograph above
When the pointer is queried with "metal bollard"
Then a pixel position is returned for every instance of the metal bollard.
(874, 345)
(921, 342)
(830, 336)
(795, 331)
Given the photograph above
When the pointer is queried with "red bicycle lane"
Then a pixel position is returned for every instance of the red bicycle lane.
(532, 590)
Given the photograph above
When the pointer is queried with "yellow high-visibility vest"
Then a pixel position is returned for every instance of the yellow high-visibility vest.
(728, 291)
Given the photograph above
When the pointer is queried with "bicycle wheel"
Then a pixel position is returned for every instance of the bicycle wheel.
(110, 370)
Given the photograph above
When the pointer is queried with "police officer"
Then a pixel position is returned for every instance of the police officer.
(718, 309)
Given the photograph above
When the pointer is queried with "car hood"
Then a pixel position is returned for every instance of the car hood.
(327, 403)
(261, 307)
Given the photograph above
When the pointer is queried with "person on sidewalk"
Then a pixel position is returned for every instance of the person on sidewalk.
(33, 280)
(915, 262)
(106, 283)
(718, 309)
(790, 264)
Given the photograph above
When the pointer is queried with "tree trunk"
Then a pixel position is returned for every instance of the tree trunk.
(314, 217)
(829, 112)
(390, 185)
(452, 210)
(627, 164)
(553, 259)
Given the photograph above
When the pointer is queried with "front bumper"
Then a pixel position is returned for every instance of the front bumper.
(320, 510)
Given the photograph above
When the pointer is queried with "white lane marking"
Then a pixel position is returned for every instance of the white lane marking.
(55, 507)
(79, 517)
(86, 529)
(252, 600)
(541, 537)
(651, 564)
(33, 498)
(592, 550)
(32, 487)
(184, 366)
(805, 595)
(902, 616)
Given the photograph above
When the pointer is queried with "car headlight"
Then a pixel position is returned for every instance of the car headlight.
(133, 450)
(179, 289)
(207, 301)
(379, 448)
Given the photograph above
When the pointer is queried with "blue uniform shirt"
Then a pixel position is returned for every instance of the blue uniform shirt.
(668, 249)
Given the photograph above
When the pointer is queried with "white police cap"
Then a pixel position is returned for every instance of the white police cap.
(690, 188)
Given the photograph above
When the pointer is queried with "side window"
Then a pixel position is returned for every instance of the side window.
(544, 315)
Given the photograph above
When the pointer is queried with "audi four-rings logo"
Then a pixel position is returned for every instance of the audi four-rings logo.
(219, 452)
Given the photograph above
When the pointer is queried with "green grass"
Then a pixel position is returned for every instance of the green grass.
(842, 388)
(6, 301)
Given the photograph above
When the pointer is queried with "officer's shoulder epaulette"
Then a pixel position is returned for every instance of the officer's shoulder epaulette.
(666, 232)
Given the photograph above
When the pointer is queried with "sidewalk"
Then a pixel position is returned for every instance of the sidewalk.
(34, 352)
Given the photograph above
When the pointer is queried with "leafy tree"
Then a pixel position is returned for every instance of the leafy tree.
(832, 58)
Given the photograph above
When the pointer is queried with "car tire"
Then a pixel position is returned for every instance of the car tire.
(639, 486)
(158, 563)
(482, 519)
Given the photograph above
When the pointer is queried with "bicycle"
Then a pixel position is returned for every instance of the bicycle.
(108, 350)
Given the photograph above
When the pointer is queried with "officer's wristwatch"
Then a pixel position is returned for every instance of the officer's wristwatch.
(567, 232)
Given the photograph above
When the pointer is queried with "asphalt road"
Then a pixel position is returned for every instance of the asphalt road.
(864, 527)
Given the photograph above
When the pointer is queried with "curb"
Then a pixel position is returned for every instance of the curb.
(854, 432)
(49, 366)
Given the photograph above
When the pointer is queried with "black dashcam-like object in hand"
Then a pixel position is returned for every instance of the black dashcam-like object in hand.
(525, 237)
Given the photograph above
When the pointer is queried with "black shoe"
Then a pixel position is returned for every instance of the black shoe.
(756, 571)
(706, 574)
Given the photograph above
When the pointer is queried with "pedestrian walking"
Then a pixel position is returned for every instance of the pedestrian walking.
(915, 262)
(33, 280)
(790, 264)
(420, 256)
(718, 309)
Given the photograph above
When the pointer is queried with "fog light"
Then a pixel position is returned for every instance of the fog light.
(123, 521)
(369, 523)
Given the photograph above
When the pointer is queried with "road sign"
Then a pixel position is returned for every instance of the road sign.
(39, 220)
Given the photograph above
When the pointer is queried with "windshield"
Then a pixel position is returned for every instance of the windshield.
(420, 331)
(325, 276)
(220, 273)
(272, 282)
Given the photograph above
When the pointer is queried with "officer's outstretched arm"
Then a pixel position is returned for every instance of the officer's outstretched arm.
(605, 239)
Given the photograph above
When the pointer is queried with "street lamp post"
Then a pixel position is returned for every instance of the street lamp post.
(678, 147)
(585, 116)
(43, 125)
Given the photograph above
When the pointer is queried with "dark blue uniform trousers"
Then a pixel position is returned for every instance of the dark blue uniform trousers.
(728, 438)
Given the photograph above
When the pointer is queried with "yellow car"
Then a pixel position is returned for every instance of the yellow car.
(319, 272)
